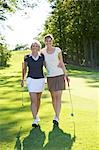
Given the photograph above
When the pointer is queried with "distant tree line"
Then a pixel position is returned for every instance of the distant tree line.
(75, 27)
(21, 47)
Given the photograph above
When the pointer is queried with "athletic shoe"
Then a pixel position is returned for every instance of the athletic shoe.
(37, 118)
(35, 122)
(55, 123)
(35, 125)
(55, 118)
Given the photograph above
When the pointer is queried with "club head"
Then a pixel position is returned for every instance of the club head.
(72, 114)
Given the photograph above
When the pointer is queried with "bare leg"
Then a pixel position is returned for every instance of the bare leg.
(56, 101)
(33, 97)
(35, 103)
(38, 101)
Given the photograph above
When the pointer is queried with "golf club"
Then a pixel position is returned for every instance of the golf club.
(18, 144)
(22, 85)
(22, 96)
(72, 112)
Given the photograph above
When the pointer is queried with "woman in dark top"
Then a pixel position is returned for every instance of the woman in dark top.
(35, 78)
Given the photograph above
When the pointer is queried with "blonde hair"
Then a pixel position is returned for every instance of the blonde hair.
(49, 36)
(37, 42)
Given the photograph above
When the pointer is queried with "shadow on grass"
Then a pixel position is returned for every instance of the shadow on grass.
(13, 110)
(91, 76)
(9, 121)
(9, 80)
(4, 67)
(59, 140)
(18, 145)
(34, 140)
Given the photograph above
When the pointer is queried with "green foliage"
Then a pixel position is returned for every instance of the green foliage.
(21, 47)
(4, 55)
(6, 7)
(9, 6)
(75, 27)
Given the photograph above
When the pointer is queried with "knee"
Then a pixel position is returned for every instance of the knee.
(33, 102)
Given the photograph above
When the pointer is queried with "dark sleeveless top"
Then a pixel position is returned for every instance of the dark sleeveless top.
(35, 67)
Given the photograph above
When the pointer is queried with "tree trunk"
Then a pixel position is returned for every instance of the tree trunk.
(96, 53)
(85, 46)
(91, 53)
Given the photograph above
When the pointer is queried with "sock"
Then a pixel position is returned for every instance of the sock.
(35, 122)
(55, 118)
(37, 118)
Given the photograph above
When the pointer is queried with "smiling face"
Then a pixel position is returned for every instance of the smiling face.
(35, 47)
(48, 41)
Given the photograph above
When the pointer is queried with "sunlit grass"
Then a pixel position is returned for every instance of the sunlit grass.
(15, 120)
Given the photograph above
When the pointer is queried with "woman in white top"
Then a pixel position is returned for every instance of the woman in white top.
(55, 74)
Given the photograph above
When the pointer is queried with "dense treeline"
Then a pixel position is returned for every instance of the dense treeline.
(75, 27)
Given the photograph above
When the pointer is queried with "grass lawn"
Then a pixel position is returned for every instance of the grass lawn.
(80, 132)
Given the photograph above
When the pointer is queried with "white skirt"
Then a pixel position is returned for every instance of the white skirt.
(35, 85)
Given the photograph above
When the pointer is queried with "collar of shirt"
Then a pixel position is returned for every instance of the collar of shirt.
(35, 58)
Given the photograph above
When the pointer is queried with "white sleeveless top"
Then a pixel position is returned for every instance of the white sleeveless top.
(52, 62)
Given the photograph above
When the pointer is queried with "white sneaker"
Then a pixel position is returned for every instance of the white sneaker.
(55, 118)
(35, 122)
(37, 119)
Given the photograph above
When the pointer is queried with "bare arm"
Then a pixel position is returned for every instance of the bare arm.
(24, 70)
(61, 64)
(42, 52)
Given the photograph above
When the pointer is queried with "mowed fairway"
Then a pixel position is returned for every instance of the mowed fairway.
(80, 132)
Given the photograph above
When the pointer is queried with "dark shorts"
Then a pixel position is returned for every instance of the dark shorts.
(56, 83)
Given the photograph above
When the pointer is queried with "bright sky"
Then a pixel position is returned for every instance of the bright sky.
(23, 26)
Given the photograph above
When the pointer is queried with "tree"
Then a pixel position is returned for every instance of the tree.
(4, 55)
(75, 26)
(8, 6)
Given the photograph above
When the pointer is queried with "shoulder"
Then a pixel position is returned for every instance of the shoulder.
(42, 55)
(26, 57)
(43, 50)
(57, 49)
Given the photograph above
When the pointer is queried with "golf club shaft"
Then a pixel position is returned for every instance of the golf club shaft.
(67, 79)
(71, 106)
(22, 84)
(22, 96)
(71, 100)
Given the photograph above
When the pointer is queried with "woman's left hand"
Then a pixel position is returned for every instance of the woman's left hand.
(66, 78)
(60, 65)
